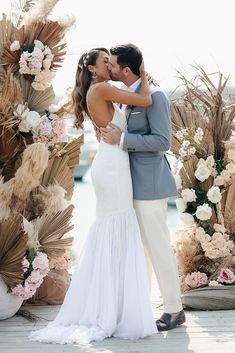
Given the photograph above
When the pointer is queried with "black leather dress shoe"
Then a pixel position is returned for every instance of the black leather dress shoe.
(166, 322)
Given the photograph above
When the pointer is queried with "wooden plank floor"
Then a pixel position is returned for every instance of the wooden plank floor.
(204, 332)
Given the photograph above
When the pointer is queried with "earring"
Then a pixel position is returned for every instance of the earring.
(93, 75)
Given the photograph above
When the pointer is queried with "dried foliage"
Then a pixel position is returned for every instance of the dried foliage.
(13, 242)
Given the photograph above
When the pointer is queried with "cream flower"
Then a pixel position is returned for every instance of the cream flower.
(219, 228)
(188, 195)
(180, 204)
(39, 44)
(187, 218)
(214, 194)
(204, 212)
(15, 45)
(219, 180)
(225, 174)
(202, 172)
(33, 118)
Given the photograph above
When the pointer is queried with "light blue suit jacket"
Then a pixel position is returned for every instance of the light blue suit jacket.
(147, 140)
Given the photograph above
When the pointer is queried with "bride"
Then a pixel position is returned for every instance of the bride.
(109, 292)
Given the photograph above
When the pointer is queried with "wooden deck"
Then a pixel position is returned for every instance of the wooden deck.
(204, 332)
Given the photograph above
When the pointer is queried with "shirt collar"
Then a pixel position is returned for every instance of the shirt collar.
(134, 85)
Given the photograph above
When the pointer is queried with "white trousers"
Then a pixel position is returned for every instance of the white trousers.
(152, 218)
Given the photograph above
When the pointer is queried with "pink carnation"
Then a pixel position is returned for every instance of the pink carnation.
(196, 279)
(226, 276)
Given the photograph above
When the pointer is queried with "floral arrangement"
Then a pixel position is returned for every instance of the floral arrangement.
(35, 267)
(204, 146)
(35, 61)
(36, 158)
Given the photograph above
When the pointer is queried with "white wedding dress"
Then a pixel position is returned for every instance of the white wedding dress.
(109, 291)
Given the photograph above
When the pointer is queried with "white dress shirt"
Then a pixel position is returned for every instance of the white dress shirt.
(132, 88)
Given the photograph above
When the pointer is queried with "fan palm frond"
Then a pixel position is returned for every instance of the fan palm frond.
(51, 230)
(73, 151)
(13, 247)
(36, 100)
(58, 171)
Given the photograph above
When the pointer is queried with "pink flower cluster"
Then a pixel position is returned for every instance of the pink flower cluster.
(196, 279)
(36, 61)
(52, 130)
(40, 268)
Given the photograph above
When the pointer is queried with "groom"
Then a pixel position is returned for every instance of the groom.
(147, 139)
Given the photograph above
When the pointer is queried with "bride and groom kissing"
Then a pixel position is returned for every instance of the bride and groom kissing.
(109, 295)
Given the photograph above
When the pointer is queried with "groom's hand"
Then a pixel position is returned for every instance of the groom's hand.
(111, 134)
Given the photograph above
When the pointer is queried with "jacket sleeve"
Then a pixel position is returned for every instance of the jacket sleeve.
(159, 138)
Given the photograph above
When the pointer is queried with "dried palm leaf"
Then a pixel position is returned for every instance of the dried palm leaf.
(11, 95)
(209, 97)
(51, 230)
(13, 242)
(229, 212)
(59, 172)
(10, 146)
(37, 100)
(187, 173)
(7, 31)
(72, 150)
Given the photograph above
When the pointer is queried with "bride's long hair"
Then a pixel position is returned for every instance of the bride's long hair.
(82, 84)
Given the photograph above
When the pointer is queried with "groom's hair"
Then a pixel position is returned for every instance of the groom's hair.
(128, 55)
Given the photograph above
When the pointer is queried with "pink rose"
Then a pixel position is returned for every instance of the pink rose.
(226, 276)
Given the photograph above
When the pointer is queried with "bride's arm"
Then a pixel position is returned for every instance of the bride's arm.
(118, 95)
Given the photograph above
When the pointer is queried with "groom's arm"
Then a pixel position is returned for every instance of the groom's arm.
(160, 125)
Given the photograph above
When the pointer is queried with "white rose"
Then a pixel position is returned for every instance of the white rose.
(15, 45)
(231, 168)
(219, 228)
(231, 154)
(33, 118)
(188, 195)
(180, 204)
(204, 212)
(202, 172)
(214, 194)
(187, 218)
(39, 44)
